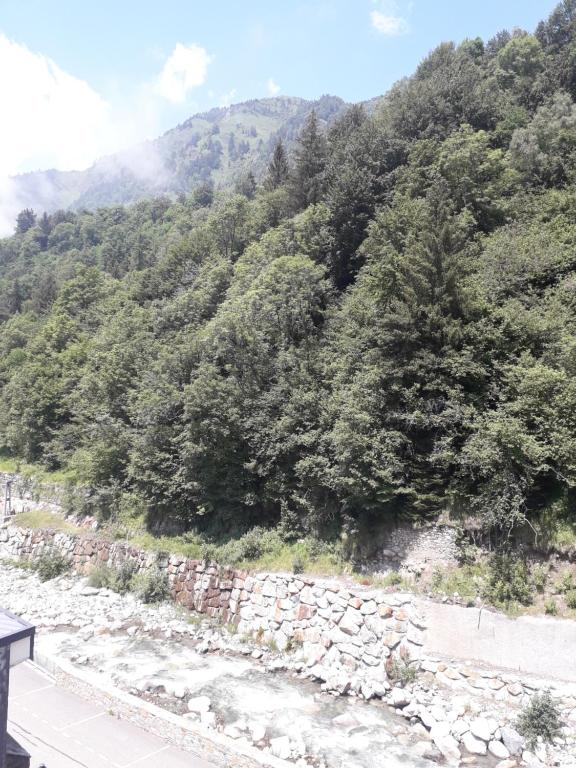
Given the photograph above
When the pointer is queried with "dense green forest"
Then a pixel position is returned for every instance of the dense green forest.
(382, 322)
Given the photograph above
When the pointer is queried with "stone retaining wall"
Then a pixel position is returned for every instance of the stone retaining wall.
(344, 626)
(419, 549)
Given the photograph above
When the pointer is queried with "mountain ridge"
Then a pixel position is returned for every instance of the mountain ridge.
(216, 146)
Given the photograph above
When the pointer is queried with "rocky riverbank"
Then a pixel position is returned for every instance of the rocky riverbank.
(314, 712)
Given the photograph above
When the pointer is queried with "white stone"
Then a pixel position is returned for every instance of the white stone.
(398, 697)
(199, 704)
(498, 749)
(473, 745)
(280, 747)
(483, 728)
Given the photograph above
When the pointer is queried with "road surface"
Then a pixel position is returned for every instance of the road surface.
(62, 730)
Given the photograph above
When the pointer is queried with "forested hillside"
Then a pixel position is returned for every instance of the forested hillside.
(384, 324)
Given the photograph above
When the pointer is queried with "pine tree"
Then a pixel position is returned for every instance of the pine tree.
(278, 169)
(25, 221)
(308, 176)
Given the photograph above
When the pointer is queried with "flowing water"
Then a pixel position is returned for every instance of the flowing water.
(345, 732)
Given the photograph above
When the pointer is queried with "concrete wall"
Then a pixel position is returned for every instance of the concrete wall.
(536, 645)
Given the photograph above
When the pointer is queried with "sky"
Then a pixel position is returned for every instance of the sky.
(79, 80)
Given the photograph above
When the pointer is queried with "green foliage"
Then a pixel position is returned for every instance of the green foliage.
(540, 577)
(51, 564)
(376, 319)
(571, 599)
(540, 719)
(402, 670)
(151, 586)
(550, 608)
(121, 579)
(298, 564)
(508, 581)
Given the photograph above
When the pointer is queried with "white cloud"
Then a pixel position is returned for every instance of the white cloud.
(185, 69)
(227, 98)
(51, 119)
(388, 25)
(273, 88)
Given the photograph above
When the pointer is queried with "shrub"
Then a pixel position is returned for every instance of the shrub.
(571, 599)
(540, 718)
(540, 577)
(119, 579)
(297, 564)
(100, 576)
(566, 583)
(151, 586)
(51, 564)
(403, 671)
(392, 579)
(550, 608)
(123, 578)
(508, 580)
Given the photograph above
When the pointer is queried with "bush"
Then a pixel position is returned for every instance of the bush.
(152, 586)
(550, 608)
(100, 576)
(566, 584)
(51, 564)
(508, 580)
(118, 579)
(297, 564)
(123, 578)
(571, 599)
(403, 671)
(540, 577)
(541, 718)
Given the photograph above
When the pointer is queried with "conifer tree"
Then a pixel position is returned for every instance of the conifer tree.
(278, 169)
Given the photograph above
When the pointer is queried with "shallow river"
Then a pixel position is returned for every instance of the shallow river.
(346, 732)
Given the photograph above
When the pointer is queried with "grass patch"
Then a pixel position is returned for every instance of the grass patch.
(41, 518)
(35, 471)
(258, 549)
(467, 580)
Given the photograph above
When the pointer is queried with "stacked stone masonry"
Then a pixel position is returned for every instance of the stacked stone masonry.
(337, 625)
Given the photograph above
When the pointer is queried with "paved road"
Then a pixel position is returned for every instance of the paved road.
(62, 730)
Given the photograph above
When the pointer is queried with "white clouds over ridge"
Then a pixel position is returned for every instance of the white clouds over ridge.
(52, 119)
(49, 115)
(272, 87)
(184, 70)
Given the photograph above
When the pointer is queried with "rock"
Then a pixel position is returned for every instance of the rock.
(257, 653)
(257, 732)
(512, 740)
(448, 746)
(483, 728)
(498, 749)
(351, 621)
(531, 760)
(208, 719)
(280, 747)
(89, 591)
(507, 764)
(179, 691)
(398, 697)
(199, 704)
(232, 732)
(339, 682)
(473, 745)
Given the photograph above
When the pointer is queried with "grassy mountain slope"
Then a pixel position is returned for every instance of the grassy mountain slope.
(218, 146)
